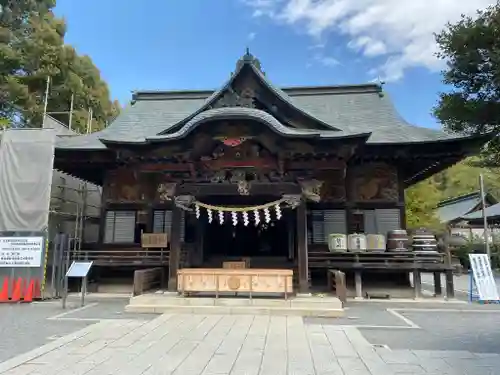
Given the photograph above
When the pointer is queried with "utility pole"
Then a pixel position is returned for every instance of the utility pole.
(46, 100)
(89, 127)
(485, 220)
(71, 111)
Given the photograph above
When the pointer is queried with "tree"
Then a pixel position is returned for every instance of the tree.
(33, 50)
(471, 48)
(421, 201)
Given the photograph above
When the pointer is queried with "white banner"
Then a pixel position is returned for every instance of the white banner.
(21, 252)
(483, 277)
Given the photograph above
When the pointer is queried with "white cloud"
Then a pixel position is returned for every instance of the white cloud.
(399, 30)
(326, 60)
(251, 36)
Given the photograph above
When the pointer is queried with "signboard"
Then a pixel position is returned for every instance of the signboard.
(154, 240)
(483, 277)
(79, 269)
(21, 252)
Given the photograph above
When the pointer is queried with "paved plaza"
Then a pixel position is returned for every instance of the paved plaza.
(373, 339)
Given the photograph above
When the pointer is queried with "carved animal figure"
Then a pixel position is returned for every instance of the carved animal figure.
(166, 191)
(311, 189)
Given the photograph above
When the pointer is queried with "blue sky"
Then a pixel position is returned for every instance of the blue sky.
(194, 44)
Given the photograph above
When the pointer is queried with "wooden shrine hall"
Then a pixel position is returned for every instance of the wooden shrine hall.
(254, 174)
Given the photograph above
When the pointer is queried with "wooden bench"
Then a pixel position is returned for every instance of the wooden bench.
(219, 280)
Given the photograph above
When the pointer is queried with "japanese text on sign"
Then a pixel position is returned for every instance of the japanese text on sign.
(21, 251)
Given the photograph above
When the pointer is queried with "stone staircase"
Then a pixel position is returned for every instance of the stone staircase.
(164, 302)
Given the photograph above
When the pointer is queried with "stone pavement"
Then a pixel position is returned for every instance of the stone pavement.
(238, 345)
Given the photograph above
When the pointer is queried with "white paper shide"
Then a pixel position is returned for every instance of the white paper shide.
(21, 252)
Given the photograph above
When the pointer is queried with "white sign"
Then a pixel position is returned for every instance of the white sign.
(21, 251)
(483, 277)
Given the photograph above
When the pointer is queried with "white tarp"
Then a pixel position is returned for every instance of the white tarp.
(26, 162)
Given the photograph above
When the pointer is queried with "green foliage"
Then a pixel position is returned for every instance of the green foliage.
(421, 200)
(471, 48)
(462, 178)
(31, 49)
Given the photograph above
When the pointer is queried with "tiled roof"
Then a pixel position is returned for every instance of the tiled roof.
(490, 212)
(349, 109)
(458, 207)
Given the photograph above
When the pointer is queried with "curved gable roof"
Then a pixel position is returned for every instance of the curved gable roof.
(228, 113)
(353, 109)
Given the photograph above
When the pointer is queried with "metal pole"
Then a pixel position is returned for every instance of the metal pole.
(55, 246)
(66, 286)
(84, 290)
(485, 220)
(46, 100)
(71, 111)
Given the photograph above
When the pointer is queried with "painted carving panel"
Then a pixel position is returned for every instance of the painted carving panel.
(125, 185)
(375, 182)
(333, 188)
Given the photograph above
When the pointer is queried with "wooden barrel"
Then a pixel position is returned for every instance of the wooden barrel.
(375, 242)
(424, 241)
(356, 242)
(337, 242)
(397, 240)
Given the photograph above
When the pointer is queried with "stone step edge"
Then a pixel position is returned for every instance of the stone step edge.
(233, 310)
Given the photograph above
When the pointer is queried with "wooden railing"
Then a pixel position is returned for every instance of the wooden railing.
(148, 279)
(124, 257)
(376, 260)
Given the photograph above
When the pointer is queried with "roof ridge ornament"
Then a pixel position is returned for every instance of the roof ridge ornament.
(248, 58)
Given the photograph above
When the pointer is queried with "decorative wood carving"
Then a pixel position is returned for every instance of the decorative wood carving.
(375, 181)
(311, 189)
(166, 191)
(232, 98)
(124, 185)
(245, 155)
(333, 188)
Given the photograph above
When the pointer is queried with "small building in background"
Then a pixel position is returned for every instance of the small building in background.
(455, 211)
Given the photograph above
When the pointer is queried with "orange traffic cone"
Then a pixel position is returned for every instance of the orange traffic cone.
(17, 291)
(28, 296)
(4, 292)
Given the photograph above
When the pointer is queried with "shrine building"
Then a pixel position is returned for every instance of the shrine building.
(253, 171)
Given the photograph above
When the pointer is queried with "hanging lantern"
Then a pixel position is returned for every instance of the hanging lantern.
(234, 216)
(245, 218)
(278, 211)
(267, 215)
(197, 211)
(209, 213)
(257, 217)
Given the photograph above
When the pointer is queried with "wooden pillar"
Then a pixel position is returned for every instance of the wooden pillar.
(438, 290)
(175, 248)
(417, 283)
(302, 255)
(450, 289)
(358, 282)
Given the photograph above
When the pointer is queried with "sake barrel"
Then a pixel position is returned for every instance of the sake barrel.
(375, 242)
(397, 240)
(356, 242)
(337, 242)
(424, 241)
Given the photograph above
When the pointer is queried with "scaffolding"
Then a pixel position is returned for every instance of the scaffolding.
(72, 210)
